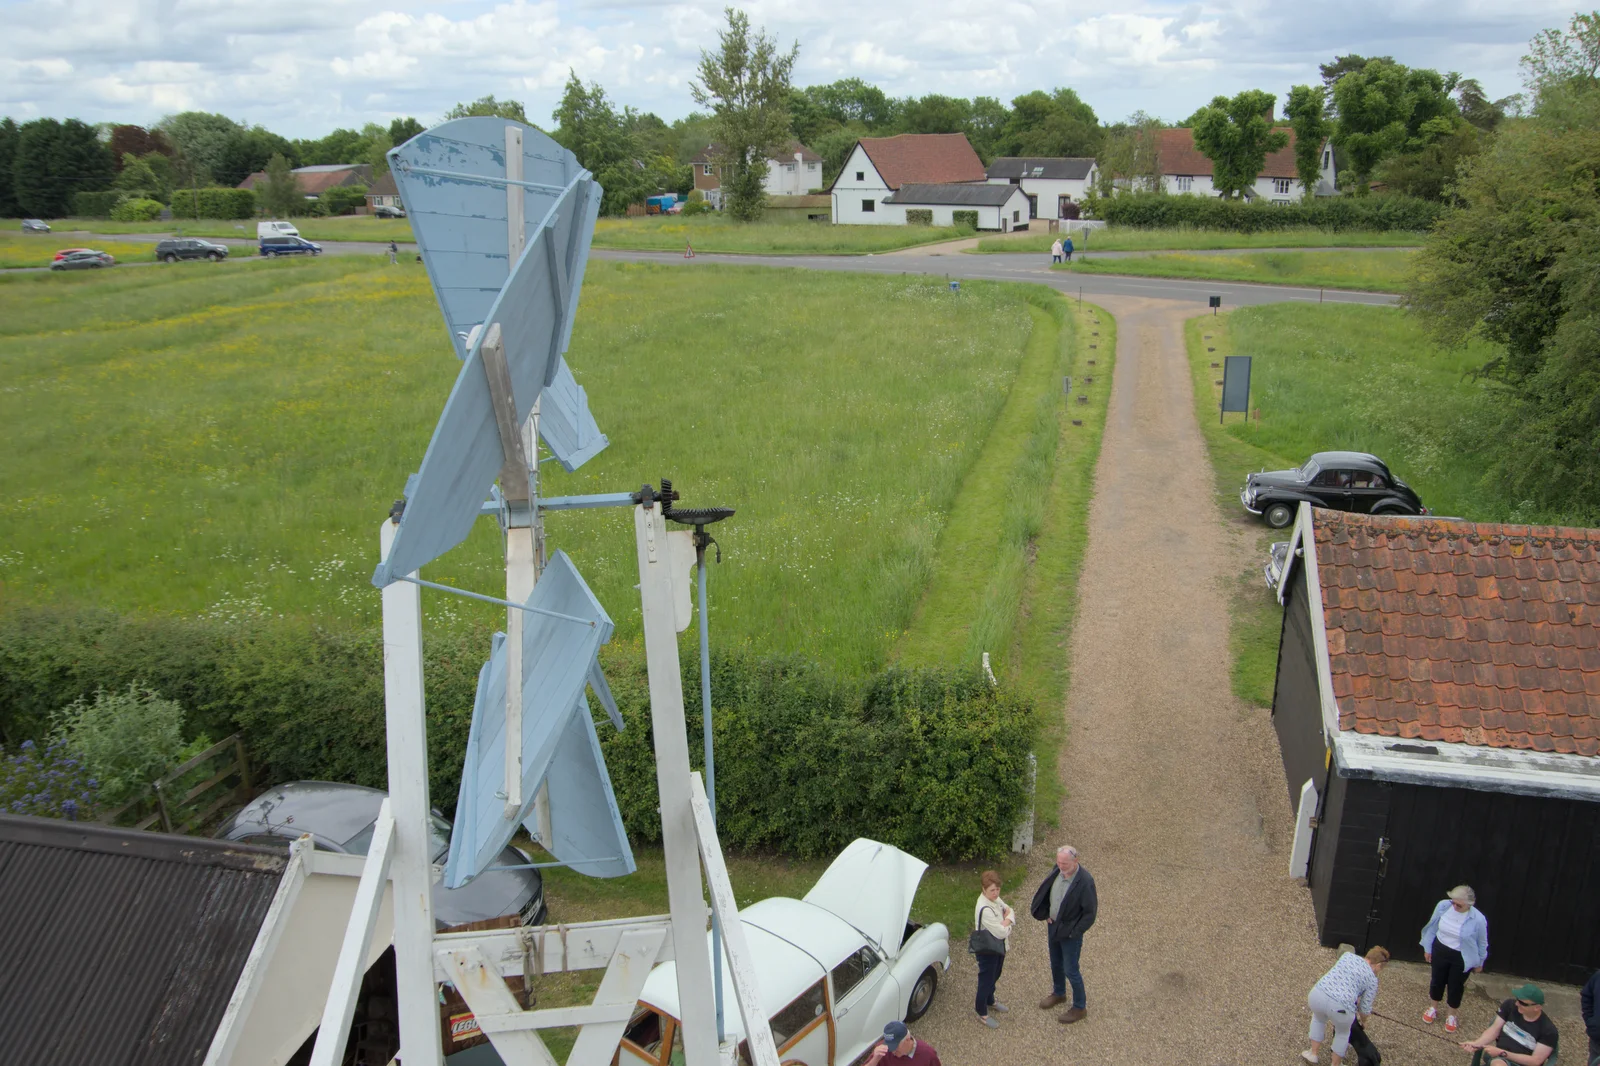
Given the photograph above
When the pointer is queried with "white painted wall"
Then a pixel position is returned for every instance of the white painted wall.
(1266, 189)
(1050, 190)
(849, 191)
(989, 217)
(792, 177)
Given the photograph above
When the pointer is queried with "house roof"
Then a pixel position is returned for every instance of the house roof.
(316, 180)
(1176, 154)
(384, 185)
(961, 195)
(709, 152)
(1483, 634)
(125, 946)
(924, 158)
(1060, 168)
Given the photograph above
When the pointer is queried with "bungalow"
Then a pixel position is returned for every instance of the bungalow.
(1437, 708)
(1185, 169)
(878, 166)
(1054, 186)
(793, 172)
(383, 193)
(313, 181)
(998, 207)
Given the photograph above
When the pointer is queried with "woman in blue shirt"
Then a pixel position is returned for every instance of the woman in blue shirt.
(1456, 942)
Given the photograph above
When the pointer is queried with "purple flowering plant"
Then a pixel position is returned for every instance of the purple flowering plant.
(50, 781)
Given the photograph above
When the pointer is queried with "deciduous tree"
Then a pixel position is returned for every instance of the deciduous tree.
(745, 82)
(1128, 157)
(489, 106)
(402, 130)
(202, 137)
(1307, 112)
(1237, 135)
(1385, 109)
(280, 193)
(1050, 124)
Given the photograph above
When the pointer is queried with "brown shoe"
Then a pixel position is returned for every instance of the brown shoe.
(1051, 1001)
(1076, 1014)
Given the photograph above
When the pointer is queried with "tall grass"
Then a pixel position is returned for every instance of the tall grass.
(1370, 271)
(224, 444)
(1189, 238)
(39, 249)
(718, 233)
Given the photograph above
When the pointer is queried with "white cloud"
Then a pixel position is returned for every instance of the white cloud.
(303, 67)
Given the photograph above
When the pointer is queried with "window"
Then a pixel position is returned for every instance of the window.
(811, 166)
(1038, 172)
(789, 167)
(1185, 183)
(1280, 203)
(1333, 479)
(643, 1035)
(1327, 158)
(1016, 216)
(1366, 479)
(788, 1022)
(852, 971)
(869, 206)
(706, 169)
(1280, 186)
(861, 175)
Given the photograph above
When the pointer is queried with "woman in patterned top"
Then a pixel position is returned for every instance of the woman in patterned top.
(1455, 941)
(1344, 994)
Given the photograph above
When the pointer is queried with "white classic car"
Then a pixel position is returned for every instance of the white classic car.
(833, 968)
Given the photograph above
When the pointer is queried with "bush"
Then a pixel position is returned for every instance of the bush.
(95, 204)
(922, 216)
(698, 207)
(137, 210)
(344, 199)
(968, 219)
(126, 738)
(1155, 210)
(934, 762)
(214, 203)
(46, 781)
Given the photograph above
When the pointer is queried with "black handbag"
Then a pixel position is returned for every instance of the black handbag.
(983, 942)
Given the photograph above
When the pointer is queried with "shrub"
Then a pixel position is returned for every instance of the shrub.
(95, 204)
(137, 210)
(969, 219)
(344, 199)
(1153, 210)
(214, 203)
(698, 207)
(47, 781)
(922, 216)
(127, 738)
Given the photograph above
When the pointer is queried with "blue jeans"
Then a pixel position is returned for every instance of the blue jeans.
(989, 967)
(1064, 955)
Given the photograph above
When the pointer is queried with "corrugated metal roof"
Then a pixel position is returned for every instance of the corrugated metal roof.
(1059, 168)
(122, 948)
(984, 195)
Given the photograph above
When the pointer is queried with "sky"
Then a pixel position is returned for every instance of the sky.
(304, 67)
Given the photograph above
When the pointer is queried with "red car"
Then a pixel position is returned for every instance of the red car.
(68, 251)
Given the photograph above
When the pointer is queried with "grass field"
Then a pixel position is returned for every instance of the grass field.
(39, 250)
(1336, 377)
(1367, 271)
(717, 233)
(345, 228)
(224, 442)
(1125, 239)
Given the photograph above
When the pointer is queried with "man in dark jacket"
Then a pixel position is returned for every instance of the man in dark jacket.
(1068, 902)
(1589, 1000)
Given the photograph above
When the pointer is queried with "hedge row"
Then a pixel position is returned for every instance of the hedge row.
(214, 203)
(968, 219)
(933, 761)
(1155, 210)
(95, 204)
(136, 209)
(919, 216)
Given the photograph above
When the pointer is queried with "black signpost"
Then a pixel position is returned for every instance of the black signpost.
(1235, 385)
(1216, 302)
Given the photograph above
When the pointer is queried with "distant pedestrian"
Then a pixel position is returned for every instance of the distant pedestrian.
(1589, 1000)
(1341, 998)
(995, 918)
(1456, 942)
(1066, 248)
(1521, 1034)
(1068, 902)
(1055, 250)
(906, 1049)
(394, 250)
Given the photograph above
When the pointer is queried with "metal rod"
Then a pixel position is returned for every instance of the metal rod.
(711, 773)
(489, 179)
(497, 601)
(573, 503)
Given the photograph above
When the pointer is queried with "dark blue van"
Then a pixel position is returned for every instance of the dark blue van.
(271, 246)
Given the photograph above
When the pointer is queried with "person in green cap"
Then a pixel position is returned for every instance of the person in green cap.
(1521, 1034)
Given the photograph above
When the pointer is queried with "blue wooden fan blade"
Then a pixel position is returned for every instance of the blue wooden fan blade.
(558, 657)
(584, 819)
(565, 424)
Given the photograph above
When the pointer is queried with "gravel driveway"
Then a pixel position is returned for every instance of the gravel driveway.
(1204, 949)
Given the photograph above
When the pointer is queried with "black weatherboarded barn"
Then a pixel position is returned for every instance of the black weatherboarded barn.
(1438, 687)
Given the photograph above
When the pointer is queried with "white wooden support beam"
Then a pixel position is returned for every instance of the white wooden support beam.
(657, 575)
(618, 994)
(746, 988)
(516, 198)
(554, 948)
(412, 868)
(556, 1017)
(485, 991)
(334, 1030)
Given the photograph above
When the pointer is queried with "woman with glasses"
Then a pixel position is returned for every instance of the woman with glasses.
(1456, 942)
(1522, 1034)
(1343, 996)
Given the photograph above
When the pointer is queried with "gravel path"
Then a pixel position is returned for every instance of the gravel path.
(1204, 949)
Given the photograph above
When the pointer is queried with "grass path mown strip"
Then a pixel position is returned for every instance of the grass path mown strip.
(1368, 271)
(718, 233)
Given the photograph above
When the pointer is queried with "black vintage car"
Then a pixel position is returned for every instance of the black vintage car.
(1340, 481)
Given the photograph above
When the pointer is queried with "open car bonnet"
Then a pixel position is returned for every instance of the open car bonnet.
(871, 886)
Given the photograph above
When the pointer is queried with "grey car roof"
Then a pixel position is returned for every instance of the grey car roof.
(1349, 459)
(330, 809)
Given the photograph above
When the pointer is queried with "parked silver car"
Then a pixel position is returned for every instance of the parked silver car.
(341, 818)
(35, 225)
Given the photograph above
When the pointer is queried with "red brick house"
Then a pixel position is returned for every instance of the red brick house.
(794, 172)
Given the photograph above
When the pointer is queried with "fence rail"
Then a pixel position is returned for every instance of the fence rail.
(169, 806)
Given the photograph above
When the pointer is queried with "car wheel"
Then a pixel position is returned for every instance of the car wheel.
(922, 994)
(1278, 515)
(214, 257)
(169, 258)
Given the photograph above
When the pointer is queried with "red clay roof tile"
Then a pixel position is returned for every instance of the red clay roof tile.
(934, 158)
(1475, 633)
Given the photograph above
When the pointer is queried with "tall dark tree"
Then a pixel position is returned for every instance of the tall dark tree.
(1237, 135)
(1385, 109)
(1342, 65)
(1307, 112)
(200, 136)
(745, 82)
(986, 126)
(137, 142)
(1050, 124)
(246, 152)
(1476, 107)
(935, 114)
(53, 161)
(8, 155)
(589, 127)
(853, 100)
(402, 130)
(280, 193)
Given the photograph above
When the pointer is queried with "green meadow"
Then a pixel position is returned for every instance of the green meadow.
(1366, 270)
(1189, 238)
(718, 233)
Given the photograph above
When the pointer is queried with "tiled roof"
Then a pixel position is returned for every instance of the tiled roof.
(314, 181)
(925, 158)
(959, 194)
(708, 154)
(1176, 154)
(1470, 633)
(384, 186)
(1059, 168)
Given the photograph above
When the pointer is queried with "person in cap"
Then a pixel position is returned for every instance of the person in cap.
(904, 1049)
(1067, 900)
(1455, 942)
(1522, 1033)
